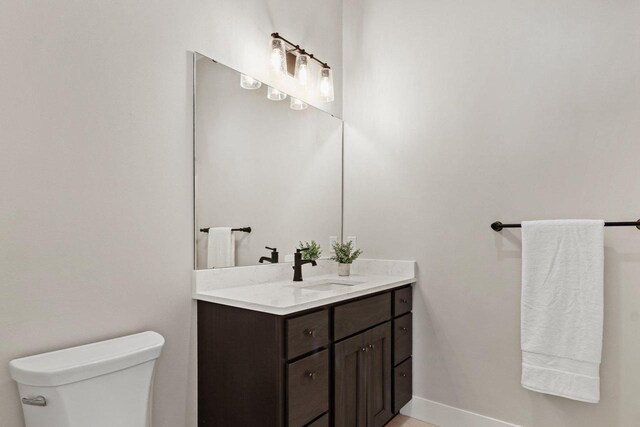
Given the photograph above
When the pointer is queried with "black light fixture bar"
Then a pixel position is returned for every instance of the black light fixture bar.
(297, 48)
(498, 226)
(243, 229)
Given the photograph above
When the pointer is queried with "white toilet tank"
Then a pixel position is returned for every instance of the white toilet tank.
(104, 384)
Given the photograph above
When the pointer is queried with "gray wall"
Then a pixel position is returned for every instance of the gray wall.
(460, 113)
(95, 176)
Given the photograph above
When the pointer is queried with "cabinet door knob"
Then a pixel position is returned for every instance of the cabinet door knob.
(404, 300)
(403, 375)
(312, 375)
(310, 332)
(372, 346)
(364, 348)
(403, 329)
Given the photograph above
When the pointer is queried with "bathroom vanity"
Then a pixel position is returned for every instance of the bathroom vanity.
(339, 357)
(274, 351)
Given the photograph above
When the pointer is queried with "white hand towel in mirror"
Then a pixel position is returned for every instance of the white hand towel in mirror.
(221, 248)
(562, 307)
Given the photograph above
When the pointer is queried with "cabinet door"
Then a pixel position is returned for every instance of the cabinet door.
(378, 367)
(350, 406)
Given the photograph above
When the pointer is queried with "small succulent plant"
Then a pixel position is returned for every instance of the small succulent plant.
(344, 253)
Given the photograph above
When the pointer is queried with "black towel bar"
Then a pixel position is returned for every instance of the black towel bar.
(243, 229)
(498, 226)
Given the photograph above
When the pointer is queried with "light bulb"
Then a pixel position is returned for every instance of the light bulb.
(274, 94)
(248, 82)
(302, 69)
(326, 85)
(296, 104)
(278, 56)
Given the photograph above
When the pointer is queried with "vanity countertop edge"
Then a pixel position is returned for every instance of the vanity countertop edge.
(279, 296)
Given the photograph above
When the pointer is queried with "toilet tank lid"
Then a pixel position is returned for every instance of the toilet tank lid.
(86, 361)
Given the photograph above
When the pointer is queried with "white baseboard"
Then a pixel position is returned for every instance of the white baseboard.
(447, 416)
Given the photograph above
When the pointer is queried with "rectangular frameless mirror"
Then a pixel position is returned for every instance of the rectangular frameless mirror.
(259, 163)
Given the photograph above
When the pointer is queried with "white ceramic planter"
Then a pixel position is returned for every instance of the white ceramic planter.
(344, 269)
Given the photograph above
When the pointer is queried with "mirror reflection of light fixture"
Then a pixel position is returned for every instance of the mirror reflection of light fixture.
(302, 69)
(326, 85)
(248, 82)
(278, 56)
(274, 94)
(296, 104)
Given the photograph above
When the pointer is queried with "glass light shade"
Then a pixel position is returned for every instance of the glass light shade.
(248, 82)
(274, 94)
(302, 69)
(278, 56)
(326, 85)
(296, 104)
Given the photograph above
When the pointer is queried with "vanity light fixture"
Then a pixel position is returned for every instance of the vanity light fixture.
(278, 56)
(295, 61)
(274, 94)
(302, 69)
(248, 82)
(296, 104)
(326, 85)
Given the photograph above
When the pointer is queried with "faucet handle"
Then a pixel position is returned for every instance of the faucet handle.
(271, 249)
(302, 249)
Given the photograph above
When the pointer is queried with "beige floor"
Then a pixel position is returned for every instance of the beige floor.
(402, 421)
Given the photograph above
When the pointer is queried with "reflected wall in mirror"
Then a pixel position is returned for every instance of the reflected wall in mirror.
(260, 163)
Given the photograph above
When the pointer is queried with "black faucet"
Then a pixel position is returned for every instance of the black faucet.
(273, 259)
(298, 262)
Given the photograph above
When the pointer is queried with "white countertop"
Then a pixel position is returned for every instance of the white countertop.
(286, 296)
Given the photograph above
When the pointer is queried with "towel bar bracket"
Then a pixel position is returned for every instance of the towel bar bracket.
(496, 226)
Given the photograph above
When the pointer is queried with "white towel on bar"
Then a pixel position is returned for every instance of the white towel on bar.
(562, 307)
(221, 248)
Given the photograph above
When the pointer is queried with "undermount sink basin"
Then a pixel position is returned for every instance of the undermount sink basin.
(327, 284)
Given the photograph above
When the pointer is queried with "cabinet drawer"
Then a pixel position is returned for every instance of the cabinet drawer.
(359, 315)
(307, 333)
(323, 421)
(402, 383)
(402, 301)
(308, 388)
(402, 338)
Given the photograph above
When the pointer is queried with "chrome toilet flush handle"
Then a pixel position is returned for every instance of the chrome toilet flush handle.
(35, 401)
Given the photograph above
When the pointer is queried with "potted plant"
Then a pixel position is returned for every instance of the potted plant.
(313, 252)
(344, 255)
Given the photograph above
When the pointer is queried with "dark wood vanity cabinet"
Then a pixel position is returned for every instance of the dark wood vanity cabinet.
(345, 365)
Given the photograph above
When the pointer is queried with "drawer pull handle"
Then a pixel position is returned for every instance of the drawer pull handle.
(371, 346)
(403, 375)
(404, 300)
(312, 375)
(403, 329)
(310, 332)
(35, 401)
